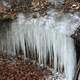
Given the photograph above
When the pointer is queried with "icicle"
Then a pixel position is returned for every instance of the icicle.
(48, 34)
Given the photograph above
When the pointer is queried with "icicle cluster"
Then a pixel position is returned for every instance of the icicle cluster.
(47, 37)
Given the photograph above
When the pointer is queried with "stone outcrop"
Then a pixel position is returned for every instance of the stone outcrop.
(2, 9)
(39, 4)
(35, 6)
(72, 5)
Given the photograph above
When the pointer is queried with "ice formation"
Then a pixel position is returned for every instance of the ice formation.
(56, 1)
(47, 37)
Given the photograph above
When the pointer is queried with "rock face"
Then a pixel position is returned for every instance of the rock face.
(72, 4)
(76, 37)
(34, 6)
(5, 13)
(39, 4)
(77, 0)
(2, 9)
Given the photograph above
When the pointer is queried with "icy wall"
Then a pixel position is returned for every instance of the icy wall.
(47, 37)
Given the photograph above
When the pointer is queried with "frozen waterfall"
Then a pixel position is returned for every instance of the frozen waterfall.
(47, 37)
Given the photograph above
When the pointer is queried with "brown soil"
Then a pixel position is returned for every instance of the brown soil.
(17, 69)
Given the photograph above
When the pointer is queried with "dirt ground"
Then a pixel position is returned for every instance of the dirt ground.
(17, 69)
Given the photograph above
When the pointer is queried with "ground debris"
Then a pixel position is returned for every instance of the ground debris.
(18, 70)
(15, 68)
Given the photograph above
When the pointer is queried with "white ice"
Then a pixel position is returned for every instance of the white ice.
(49, 35)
